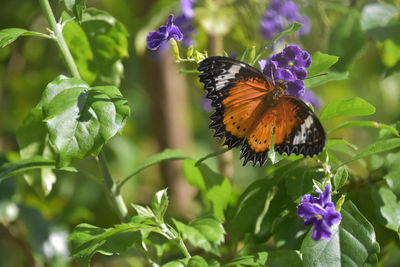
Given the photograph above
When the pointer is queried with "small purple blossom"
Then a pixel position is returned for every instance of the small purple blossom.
(319, 212)
(289, 66)
(310, 97)
(187, 8)
(185, 24)
(155, 39)
(279, 15)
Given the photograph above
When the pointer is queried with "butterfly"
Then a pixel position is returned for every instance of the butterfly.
(250, 108)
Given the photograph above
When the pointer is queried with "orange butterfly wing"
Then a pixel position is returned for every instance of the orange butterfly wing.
(248, 108)
(235, 90)
(297, 131)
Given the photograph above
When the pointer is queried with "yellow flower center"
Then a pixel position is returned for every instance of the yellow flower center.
(319, 217)
(290, 64)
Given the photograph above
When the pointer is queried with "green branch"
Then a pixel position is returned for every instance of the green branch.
(56, 28)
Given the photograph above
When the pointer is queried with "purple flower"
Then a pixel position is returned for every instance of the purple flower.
(185, 24)
(157, 38)
(279, 15)
(319, 212)
(289, 66)
(310, 97)
(187, 8)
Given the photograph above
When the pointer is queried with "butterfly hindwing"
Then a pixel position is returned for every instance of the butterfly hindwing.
(235, 90)
(297, 131)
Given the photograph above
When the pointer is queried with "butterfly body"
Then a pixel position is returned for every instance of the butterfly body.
(249, 108)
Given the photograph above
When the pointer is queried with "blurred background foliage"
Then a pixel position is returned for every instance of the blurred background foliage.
(33, 221)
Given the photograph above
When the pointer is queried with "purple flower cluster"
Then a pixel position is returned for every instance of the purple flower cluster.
(155, 39)
(185, 21)
(278, 15)
(319, 212)
(289, 66)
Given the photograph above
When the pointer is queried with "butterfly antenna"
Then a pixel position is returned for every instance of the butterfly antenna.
(272, 76)
(318, 75)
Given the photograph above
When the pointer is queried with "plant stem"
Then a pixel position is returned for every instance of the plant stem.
(66, 54)
(59, 38)
(112, 188)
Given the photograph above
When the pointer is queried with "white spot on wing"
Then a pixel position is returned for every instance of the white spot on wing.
(301, 136)
(222, 80)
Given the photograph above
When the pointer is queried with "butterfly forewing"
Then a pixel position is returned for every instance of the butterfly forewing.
(247, 110)
(235, 90)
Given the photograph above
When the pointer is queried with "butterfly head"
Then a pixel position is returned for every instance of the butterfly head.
(280, 88)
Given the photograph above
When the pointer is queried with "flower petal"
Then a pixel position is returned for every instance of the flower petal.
(155, 39)
(295, 88)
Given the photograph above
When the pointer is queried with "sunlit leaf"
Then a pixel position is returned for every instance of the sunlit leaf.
(80, 119)
(258, 260)
(352, 107)
(330, 76)
(206, 233)
(372, 124)
(76, 6)
(377, 147)
(159, 204)
(377, 15)
(388, 206)
(340, 178)
(7, 36)
(352, 243)
(214, 188)
(87, 239)
(393, 181)
(284, 257)
(321, 62)
(13, 168)
(197, 261)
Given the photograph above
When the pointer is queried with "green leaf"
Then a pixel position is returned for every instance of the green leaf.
(7, 36)
(258, 260)
(351, 244)
(312, 82)
(284, 257)
(87, 239)
(320, 63)
(340, 177)
(299, 181)
(197, 261)
(10, 169)
(388, 207)
(33, 141)
(81, 50)
(378, 147)
(294, 27)
(166, 155)
(97, 45)
(206, 233)
(393, 181)
(80, 120)
(215, 188)
(76, 6)
(352, 107)
(377, 15)
(372, 124)
(159, 204)
(334, 142)
(347, 40)
(177, 263)
(251, 209)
